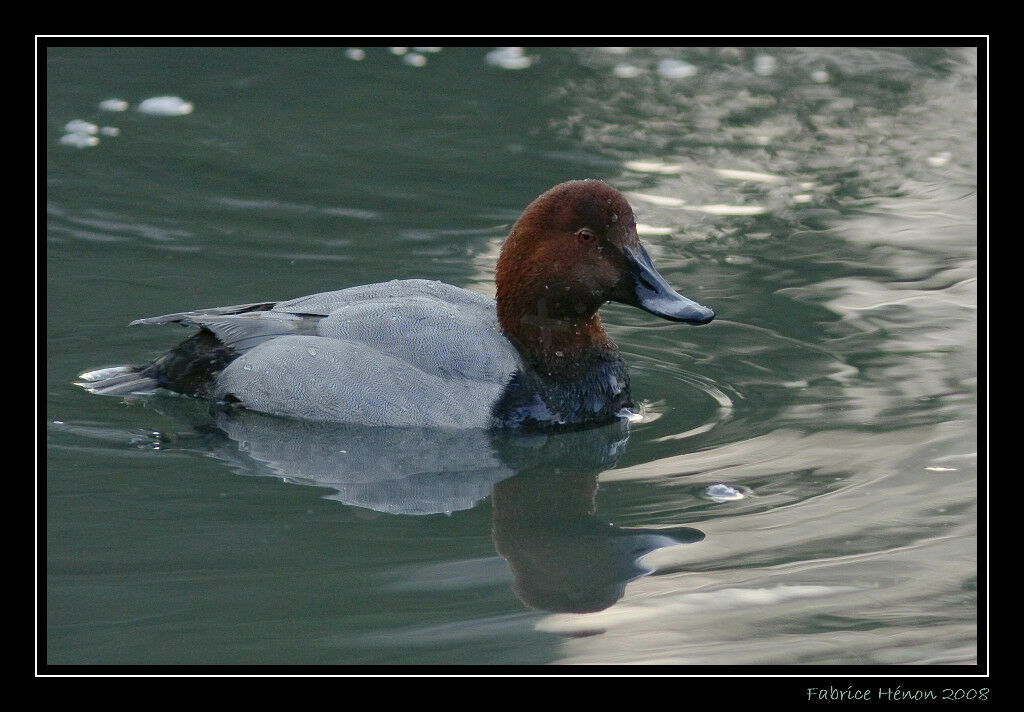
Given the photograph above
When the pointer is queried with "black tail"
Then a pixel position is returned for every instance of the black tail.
(190, 368)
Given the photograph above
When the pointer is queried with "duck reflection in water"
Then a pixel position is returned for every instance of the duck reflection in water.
(564, 559)
(542, 484)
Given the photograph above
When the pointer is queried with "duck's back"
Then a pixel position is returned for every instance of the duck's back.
(438, 328)
(406, 352)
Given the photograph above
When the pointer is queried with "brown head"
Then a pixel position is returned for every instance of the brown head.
(573, 249)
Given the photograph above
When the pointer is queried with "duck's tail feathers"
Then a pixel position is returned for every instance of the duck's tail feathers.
(117, 381)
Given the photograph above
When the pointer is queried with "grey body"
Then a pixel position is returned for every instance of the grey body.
(400, 353)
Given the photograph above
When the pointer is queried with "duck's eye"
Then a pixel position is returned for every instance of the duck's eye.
(585, 234)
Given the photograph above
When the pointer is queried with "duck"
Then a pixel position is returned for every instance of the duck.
(426, 354)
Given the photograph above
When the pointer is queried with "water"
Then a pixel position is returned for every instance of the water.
(801, 488)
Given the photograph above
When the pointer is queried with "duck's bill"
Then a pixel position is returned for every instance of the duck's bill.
(649, 291)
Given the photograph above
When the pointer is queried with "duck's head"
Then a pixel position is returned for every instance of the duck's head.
(573, 249)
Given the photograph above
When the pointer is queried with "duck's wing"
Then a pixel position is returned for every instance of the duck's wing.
(243, 326)
(326, 302)
(437, 328)
(185, 317)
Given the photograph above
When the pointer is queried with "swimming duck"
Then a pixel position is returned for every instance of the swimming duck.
(421, 353)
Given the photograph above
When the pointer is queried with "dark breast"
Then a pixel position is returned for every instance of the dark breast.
(592, 392)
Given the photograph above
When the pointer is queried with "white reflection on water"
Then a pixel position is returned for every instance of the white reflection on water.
(889, 550)
(858, 541)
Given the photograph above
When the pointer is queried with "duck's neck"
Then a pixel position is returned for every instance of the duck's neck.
(556, 347)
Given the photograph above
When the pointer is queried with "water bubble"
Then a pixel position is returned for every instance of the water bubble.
(676, 69)
(166, 106)
(626, 70)
(79, 126)
(79, 140)
(723, 493)
(114, 105)
(509, 58)
(354, 53)
(765, 65)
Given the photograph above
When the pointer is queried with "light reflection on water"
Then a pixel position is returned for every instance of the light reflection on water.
(823, 201)
(883, 393)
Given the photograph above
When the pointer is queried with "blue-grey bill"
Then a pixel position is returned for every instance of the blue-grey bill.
(653, 294)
